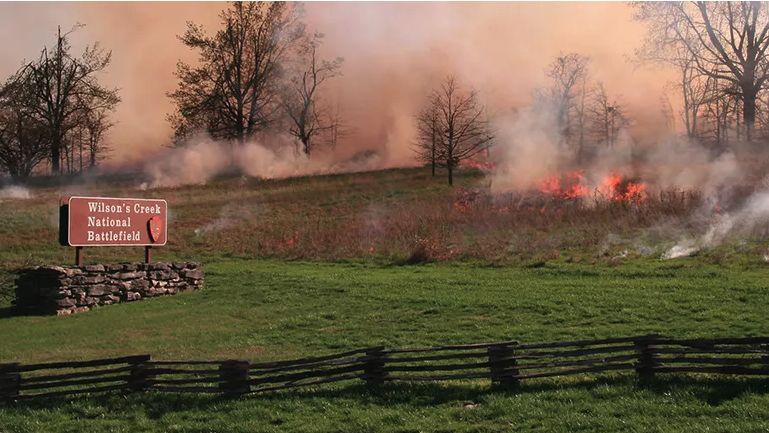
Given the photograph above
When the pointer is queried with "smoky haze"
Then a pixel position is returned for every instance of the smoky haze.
(394, 53)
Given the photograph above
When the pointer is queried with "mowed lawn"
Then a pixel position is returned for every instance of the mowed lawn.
(269, 309)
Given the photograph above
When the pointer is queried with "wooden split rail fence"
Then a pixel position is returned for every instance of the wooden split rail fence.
(505, 363)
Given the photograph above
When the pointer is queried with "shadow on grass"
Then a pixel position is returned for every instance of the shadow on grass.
(712, 391)
(7, 312)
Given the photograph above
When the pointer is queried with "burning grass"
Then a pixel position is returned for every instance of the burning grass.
(613, 187)
(394, 216)
(468, 223)
(290, 309)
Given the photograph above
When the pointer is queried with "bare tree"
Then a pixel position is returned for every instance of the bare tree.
(694, 88)
(719, 115)
(568, 92)
(607, 117)
(232, 92)
(308, 116)
(463, 130)
(725, 41)
(337, 128)
(90, 135)
(23, 139)
(427, 145)
(666, 110)
(64, 86)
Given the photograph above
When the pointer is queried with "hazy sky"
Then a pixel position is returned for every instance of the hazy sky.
(393, 53)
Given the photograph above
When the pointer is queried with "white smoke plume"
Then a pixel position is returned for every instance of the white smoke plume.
(745, 220)
(193, 164)
(526, 150)
(686, 165)
(14, 192)
(275, 157)
(230, 215)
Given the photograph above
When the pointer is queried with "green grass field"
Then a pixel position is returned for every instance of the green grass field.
(262, 302)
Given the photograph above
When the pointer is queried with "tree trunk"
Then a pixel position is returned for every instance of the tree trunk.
(749, 111)
(432, 156)
(432, 151)
(55, 154)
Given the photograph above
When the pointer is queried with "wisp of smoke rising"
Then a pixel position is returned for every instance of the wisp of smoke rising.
(14, 192)
(745, 220)
(526, 149)
(276, 156)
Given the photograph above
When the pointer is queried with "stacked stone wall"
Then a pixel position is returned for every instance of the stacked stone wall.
(73, 289)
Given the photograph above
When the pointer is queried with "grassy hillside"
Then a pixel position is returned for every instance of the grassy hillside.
(319, 264)
(386, 216)
(273, 309)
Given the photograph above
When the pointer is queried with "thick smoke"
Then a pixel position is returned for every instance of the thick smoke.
(277, 156)
(529, 148)
(394, 53)
(683, 164)
(526, 148)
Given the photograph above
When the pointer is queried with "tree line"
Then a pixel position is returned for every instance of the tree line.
(261, 71)
(720, 52)
(452, 125)
(54, 109)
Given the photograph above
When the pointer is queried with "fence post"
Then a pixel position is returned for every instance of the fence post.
(10, 382)
(373, 371)
(140, 372)
(503, 365)
(644, 346)
(233, 376)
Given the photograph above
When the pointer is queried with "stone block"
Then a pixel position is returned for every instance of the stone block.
(66, 302)
(129, 275)
(193, 274)
(159, 266)
(109, 299)
(159, 275)
(71, 272)
(139, 284)
(95, 279)
(97, 290)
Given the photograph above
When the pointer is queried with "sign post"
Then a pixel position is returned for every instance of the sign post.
(108, 221)
(78, 256)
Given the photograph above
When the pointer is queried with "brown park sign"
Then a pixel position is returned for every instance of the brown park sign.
(107, 221)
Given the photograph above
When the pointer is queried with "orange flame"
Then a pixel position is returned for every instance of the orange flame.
(569, 186)
(572, 186)
(614, 187)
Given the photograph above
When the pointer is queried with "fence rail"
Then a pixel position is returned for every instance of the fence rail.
(504, 363)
